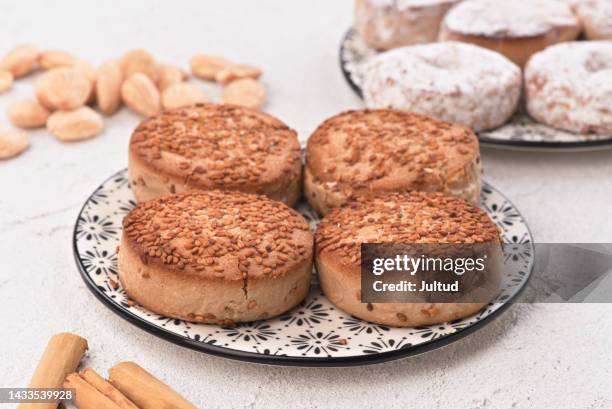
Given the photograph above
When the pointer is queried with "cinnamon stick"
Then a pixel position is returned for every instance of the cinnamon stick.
(61, 357)
(144, 389)
(86, 396)
(108, 390)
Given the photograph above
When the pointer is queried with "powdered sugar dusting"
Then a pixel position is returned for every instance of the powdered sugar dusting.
(502, 18)
(453, 81)
(387, 24)
(569, 86)
(599, 15)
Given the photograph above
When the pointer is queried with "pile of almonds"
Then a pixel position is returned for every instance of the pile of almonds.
(69, 89)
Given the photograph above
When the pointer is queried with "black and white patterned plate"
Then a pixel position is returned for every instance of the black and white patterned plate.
(520, 132)
(313, 334)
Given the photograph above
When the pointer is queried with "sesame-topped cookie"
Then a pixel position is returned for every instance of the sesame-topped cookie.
(215, 146)
(400, 218)
(357, 153)
(215, 257)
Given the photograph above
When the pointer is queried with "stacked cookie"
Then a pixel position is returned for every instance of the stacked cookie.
(486, 51)
(209, 146)
(214, 239)
(216, 257)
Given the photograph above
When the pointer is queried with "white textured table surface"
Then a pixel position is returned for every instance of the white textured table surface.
(533, 356)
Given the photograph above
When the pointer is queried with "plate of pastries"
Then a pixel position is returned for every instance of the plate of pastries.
(527, 74)
(225, 235)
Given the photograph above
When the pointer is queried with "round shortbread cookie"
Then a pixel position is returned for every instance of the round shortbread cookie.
(214, 146)
(358, 153)
(215, 257)
(396, 218)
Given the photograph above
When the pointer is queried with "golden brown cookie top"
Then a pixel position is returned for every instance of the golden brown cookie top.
(385, 150)
(408, 218)
(218, 146)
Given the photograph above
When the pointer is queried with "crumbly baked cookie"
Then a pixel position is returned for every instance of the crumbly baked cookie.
(387, 24)
(215, 257)
(569, 86)
(358, 153)
(211, 146)
(596, 18)
(517, 29)
(395, 218)
(452, 81)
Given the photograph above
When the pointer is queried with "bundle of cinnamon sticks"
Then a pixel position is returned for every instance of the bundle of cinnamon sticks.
(128, 386)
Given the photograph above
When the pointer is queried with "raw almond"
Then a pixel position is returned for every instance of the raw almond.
(54, 58)
(12, 142)
(139, 61)
(168, 74)
(88, 71)
(21, 60)
(246, 92)
(63, 88)
(108, 87)
(140, 94)
(76, 125)
(27, 114)
(236, 72)
(6, 80)
(207, 66)
(182, 94)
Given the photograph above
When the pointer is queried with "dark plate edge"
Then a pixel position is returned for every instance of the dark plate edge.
(493, 143)
(345, 73)
(223, 352)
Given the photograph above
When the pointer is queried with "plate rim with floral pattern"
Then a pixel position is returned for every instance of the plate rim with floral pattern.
(521, 132)
(312, 336)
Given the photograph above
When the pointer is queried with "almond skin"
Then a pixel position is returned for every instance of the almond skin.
(108, 87)
(12, 142)
(236, 72)
(139, 61)
(27, 114)
(182, 94)
(207, 66)
(55, 58)
(140, 94)
(20, 61)
(246, 92)
(88, 71)
(168, 75)
(63, 88)
(76, 125)
(6, 80)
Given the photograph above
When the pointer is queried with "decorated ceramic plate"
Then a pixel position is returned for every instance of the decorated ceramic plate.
(520, 132)
(315, 333)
